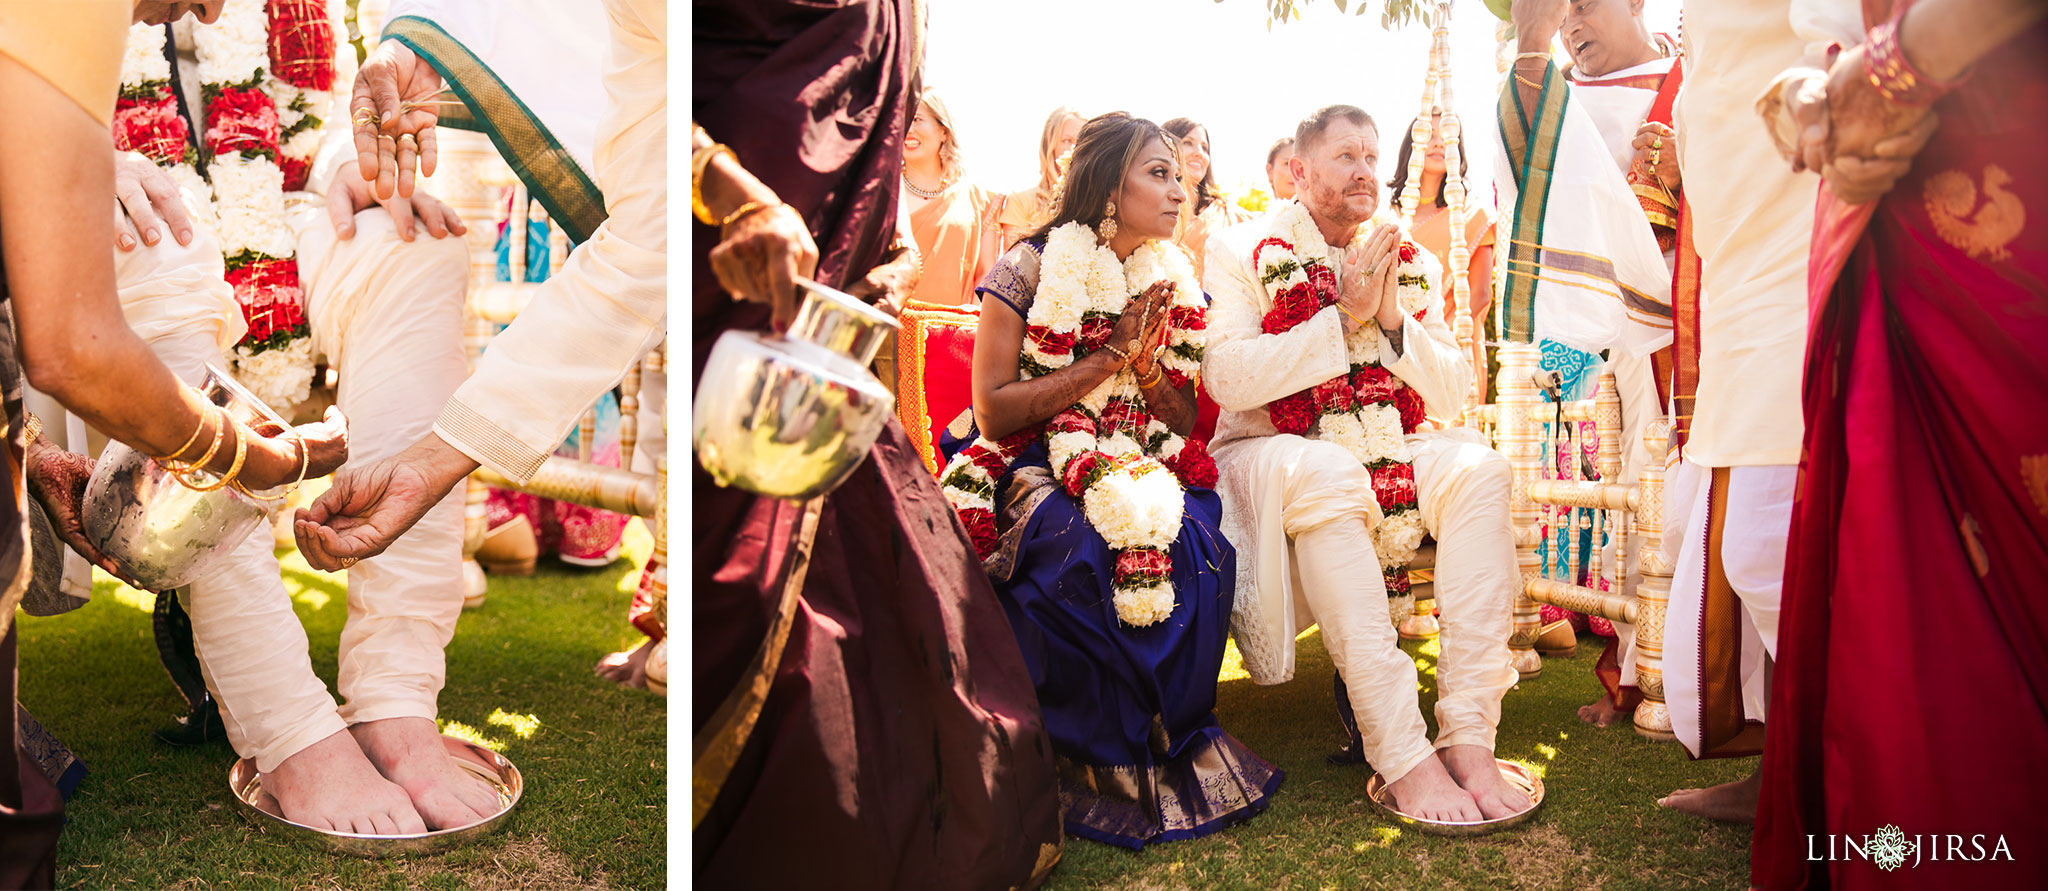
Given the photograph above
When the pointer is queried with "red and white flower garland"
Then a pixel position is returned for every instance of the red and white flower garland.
(1368, 410)
(1126, 467)
(266, 71)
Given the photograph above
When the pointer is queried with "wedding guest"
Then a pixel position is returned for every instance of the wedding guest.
(1278, 174)
(952, 220)
(1207, 210)
(60, 69)
(1432, 230)
(1027, 209)
(1924, 456)
(1125, 670)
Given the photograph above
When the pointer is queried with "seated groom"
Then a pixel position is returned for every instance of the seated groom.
(1326, 345)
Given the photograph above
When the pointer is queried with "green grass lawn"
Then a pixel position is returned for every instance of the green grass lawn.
(519, 680)
(1599, 827)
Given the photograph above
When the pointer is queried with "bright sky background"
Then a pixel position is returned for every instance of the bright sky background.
(1003, 66)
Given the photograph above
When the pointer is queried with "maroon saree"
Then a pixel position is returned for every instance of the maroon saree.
(899, 744)
(1912, 683)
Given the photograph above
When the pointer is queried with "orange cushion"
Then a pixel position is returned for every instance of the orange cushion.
(934, 371)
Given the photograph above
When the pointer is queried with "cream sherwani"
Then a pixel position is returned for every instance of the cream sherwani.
(1752, 223)
(607, 306)
(1300, 511)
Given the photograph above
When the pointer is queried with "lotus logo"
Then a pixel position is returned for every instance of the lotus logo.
(1888, 848)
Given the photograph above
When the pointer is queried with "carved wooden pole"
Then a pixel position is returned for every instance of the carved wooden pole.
(1653, 596)
(1521, 442)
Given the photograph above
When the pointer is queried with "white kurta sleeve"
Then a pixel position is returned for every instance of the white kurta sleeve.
(1245, 368)
(590, 322)
(1430, 361)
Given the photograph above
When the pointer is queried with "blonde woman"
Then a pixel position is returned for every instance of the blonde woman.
(953, 222)
(1027, 209)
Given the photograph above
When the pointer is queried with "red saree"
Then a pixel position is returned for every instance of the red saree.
(1912, 683)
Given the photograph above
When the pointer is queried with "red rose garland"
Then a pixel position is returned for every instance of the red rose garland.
(1365, 410)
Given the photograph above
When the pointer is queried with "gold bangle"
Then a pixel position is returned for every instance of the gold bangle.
(241, 454)
(1523, 57)
(189, 441)
(182, 469)
(744, 211)
(698, 164)
(1158, 374)
(31, 425)
(305, 462)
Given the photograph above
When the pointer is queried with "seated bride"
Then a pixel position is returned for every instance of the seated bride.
(1092, 508)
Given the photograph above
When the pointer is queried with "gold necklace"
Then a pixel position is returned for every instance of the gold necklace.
(921, 193)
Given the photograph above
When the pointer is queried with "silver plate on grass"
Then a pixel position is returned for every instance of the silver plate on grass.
(1517, 775)
(261, 809)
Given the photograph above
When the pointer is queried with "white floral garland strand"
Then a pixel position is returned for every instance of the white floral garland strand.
(1372, 433)
(249, 191)
(1138, 504)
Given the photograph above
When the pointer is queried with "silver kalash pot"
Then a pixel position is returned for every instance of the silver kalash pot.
(161, 532)
(790, 416)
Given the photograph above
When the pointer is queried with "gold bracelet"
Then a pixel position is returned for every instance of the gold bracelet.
(1523, 57)
(1120, 354)
(31, 425)
(241, 454)
(1158, 374)
(745, 210)
(1527, 82)
(182, 469)
(305, 461)
(189, 440)
(699, 163)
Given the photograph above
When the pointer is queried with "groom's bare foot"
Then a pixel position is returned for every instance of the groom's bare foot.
(1427, 792)
(1729, 802)
(330, 785)
(1601, 713)
(627, 668)
(1478, 773)
(408, 752)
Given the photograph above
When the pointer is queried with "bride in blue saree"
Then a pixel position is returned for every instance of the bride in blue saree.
(1094, 513)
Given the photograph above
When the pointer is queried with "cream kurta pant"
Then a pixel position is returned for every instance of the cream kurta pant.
(389, 315)
(1753, 537)
(1326, 508)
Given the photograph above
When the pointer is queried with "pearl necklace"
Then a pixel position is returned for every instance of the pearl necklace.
(921, 193)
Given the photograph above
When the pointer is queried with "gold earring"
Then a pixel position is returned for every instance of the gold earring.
(1107, 228)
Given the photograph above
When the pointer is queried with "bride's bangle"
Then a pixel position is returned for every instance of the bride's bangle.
(205, 415)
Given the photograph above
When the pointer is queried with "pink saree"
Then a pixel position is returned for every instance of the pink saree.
(1912, 683)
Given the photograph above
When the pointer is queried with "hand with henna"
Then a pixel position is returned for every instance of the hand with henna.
(57, 479)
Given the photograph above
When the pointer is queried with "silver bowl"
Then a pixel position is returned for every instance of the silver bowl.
(791, 416)
(1517, 775)
(246, 785)
(163, 533)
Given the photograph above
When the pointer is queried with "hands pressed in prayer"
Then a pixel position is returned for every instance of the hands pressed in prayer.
(1138, 329)
(349, 195)
(150, 202)
(369, 507)
(1656, 148)
(57, 479)
(1367, 279)
(393, 112)
(1153, 338)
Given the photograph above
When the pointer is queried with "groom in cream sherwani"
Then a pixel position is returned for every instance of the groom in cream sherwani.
(1301, 510)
